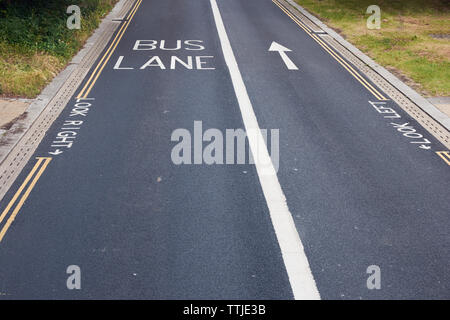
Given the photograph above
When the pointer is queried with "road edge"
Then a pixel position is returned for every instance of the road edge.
(410, 93)
(12, 137)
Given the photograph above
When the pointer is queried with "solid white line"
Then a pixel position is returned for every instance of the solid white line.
(297, 266)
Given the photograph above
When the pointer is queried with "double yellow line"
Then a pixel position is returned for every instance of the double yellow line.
(341, 61)
(104, 60)
(41, 164)
(445, 155)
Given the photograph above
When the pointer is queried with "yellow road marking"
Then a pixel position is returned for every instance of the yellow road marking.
(341, 61)
(98, 65)
(352, 71)
(25, 195)
(89, 84)
(109, 56)
(19, 191)
(445, 155)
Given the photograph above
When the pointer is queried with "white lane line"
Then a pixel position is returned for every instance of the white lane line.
(297, 266)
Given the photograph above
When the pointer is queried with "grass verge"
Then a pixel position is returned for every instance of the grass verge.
(35, 43)
(413, 41)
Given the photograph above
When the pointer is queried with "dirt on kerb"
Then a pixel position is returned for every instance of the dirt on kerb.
(8, 125)
(5, 139)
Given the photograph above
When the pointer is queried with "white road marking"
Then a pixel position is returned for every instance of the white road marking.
(275, 46)
(297, 266)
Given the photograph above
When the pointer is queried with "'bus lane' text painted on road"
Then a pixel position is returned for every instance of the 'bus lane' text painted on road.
(189, 62)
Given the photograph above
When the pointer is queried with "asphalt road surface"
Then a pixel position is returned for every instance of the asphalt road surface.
(108, 196)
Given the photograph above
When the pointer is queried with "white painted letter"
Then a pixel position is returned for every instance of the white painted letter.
(118, 63)
(175, 59)
(189, 43)
(158, 63)
(146, 46)
(199, 62)
(162, 45)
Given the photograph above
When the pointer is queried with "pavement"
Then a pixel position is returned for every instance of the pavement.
(359, 182)
(11, 109)
(442, 103)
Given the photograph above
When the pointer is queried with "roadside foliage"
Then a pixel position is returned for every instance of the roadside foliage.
(35, 43)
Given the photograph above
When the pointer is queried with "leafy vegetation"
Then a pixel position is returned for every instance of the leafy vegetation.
(413, 42)
(35, 43)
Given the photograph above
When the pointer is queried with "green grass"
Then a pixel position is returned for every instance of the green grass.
(35, 43)
(404, 43)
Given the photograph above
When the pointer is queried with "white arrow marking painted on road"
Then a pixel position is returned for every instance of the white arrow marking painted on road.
(296, 263)
(275, 46)
(56, 152)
